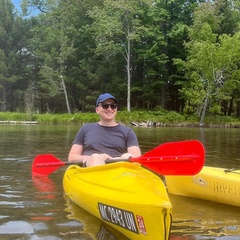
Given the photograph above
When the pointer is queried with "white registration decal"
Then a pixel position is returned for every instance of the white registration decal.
(120, 217)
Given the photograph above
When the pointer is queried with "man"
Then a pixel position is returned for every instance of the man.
(106, 139)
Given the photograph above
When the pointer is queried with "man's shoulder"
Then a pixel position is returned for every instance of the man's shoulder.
(124, 127)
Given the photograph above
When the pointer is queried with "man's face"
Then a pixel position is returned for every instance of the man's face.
(107, 109)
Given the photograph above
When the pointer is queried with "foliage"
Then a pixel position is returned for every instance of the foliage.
(211, 62)
(180, 56)
(10, 116)
(143, 118)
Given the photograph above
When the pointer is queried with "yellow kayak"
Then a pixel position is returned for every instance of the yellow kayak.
(123, 195)
(214, 184)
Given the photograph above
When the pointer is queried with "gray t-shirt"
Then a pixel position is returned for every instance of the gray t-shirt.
(113, 141)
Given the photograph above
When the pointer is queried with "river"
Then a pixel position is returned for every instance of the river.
(36, 208)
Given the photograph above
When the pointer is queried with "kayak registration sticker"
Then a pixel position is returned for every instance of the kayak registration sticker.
(118, 216)
(141, 224)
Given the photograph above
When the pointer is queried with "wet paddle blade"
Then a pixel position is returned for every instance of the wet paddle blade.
(45, 164)
(174, 158)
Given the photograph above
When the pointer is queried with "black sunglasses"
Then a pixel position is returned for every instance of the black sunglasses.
(106, 106)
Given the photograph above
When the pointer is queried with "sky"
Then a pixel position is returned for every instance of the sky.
(16, 3)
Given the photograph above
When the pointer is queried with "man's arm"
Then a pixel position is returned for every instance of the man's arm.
(133, 151)
(75, 154)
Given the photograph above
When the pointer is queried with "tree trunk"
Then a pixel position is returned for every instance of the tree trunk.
(3, 99)
(65, 93)
(238, 109)
(128, 77)
(203, 113)
(230, 109)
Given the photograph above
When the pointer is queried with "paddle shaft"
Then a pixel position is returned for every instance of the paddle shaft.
(143, 160)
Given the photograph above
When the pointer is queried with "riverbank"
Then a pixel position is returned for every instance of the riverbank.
(134, 118)
(18, 122)
(223, 125)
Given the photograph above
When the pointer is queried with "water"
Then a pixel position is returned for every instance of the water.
(34, 208)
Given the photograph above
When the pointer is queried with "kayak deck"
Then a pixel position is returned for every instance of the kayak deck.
(214, 184)
(124, 195)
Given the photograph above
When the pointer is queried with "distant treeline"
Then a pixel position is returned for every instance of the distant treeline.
(184, 56)
(133, 118)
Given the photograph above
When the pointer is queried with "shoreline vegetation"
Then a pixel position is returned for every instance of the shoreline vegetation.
(135, 118)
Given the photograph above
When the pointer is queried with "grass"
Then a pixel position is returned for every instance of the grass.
(160, 118)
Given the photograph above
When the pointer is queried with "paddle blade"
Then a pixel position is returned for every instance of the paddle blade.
(174, 158)
(45, 164)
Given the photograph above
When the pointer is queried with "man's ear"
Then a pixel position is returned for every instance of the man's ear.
(96, 110)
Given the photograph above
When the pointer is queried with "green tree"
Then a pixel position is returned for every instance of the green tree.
(230, 16)
(117, 24)
(11, 46)
(210, 60)
(52, 47)
(64, 49)
(155, 76)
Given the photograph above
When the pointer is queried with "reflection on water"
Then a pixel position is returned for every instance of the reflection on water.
(33, 207)
(90, 224)
(80, 223)
(204, 218)
(44, 185)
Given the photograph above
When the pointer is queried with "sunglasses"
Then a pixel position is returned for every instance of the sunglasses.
(106, 106)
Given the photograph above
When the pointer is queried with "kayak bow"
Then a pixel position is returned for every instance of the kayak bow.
(214, 184)
(125, 196)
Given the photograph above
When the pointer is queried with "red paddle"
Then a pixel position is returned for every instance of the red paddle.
(172, 158)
